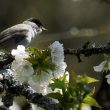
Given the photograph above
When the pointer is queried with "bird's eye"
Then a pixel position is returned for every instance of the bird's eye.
(39, 30)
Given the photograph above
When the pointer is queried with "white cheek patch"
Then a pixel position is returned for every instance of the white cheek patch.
(30, 35)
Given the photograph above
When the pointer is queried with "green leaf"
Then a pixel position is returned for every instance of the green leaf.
(92, 92)
(55, 95)
(91, 101)
(57, 84)
(60, 83)
(63, 78)
(85, 79)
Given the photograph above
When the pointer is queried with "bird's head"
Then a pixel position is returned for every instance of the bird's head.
(36, 24)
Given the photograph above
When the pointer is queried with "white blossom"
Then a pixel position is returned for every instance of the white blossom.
(39, 88)
(39, 81)
(108, 78)
(59, 70)
(43, 78)
(100, 67)
(57, 52)
(23, 69)
(57, 55)
(19, 53)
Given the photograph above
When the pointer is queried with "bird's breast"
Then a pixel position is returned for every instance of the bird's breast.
(30, 35)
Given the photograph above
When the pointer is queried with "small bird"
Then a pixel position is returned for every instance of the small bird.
(20, 34)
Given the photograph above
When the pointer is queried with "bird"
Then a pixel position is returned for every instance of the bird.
(20, 34)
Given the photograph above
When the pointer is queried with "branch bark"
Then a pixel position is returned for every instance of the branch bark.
(88, 51)
(13, 87)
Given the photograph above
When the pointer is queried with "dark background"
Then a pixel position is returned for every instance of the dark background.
(72, 22)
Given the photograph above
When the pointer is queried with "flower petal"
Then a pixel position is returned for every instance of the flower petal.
(100, 67)
(108, 78)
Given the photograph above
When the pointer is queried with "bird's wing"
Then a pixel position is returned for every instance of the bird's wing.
(13, 35)
(14, 30)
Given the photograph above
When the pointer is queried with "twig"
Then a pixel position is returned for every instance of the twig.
(87, 51)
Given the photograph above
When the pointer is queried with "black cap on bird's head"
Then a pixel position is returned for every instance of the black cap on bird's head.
(36, 21)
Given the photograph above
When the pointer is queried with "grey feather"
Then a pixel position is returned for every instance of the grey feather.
(12, 36)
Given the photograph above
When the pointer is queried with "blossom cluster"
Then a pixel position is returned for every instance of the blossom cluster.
(45, 71)
(24, 70)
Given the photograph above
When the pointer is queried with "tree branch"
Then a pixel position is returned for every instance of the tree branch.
(88, 51)
(5, 59)
(13, 87)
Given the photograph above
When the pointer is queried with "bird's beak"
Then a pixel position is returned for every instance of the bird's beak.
(44, 29)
